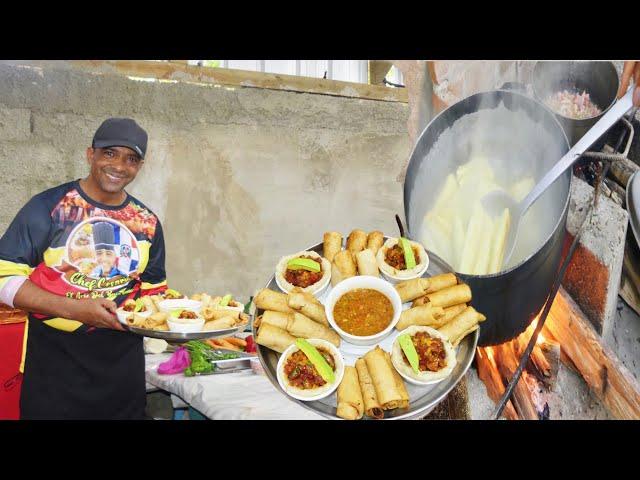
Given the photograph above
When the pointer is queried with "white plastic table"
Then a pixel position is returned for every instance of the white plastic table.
(234, 396)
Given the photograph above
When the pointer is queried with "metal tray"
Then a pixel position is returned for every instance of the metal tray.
(177, 337)
(422, 398)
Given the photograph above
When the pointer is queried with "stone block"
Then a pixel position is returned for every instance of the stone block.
(15, 124)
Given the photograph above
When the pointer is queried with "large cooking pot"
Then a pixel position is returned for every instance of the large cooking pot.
(599, 79)
(521, 137)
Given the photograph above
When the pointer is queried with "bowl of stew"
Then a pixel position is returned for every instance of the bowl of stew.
(363, 309)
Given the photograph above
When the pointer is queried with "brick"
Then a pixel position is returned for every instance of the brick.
(15, 124)
(593, 276)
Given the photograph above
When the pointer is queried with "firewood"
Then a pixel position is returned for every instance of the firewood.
(507, 365)
(622, 169)
(488, 373)
(607, 377)
(629, 293)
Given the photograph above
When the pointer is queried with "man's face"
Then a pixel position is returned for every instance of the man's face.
(113, 168)
(106, 259)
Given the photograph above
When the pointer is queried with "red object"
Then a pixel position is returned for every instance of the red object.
(11, 337)
(251, 345)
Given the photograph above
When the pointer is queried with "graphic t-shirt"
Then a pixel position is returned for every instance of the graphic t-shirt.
(70, 245)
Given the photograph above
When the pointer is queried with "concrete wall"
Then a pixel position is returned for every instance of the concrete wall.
(239, 177)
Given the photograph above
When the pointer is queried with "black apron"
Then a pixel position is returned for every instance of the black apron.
(85, 374)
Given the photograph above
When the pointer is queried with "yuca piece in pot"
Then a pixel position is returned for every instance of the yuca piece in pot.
(312, 309)
(349, 396)
(267, 299)
(356, 241)
(367, 264)
(422, 315)
(309, 281)
(343, 267)
(372, 406)
(332, 244)
(384, 381)
(375, 240)
(274, 338)
(463, 324)
(448, 297)
(301, 326)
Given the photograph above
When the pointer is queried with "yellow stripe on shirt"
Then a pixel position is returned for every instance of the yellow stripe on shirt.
(53, 256)
(151, 286)
(11, 268)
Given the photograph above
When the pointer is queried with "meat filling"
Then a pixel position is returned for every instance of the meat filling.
(303, 278)
(395, 257)
(130, 307)
(187, 314)
(431, 353)
(302, 374)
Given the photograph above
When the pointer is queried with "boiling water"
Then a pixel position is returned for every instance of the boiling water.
(485, 150)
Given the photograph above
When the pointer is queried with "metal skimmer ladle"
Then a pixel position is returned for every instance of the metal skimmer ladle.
(495, 202)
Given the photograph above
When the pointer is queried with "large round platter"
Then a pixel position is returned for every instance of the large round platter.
(422, 398)
(178, 337)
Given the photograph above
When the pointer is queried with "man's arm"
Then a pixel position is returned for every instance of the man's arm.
(21, 249)
(98, 312)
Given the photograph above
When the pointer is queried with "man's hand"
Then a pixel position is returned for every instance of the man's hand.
(631, 70)
(98, 312)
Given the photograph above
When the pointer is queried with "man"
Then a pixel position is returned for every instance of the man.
(78, 360)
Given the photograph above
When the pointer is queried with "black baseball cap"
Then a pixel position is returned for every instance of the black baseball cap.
(121, 132)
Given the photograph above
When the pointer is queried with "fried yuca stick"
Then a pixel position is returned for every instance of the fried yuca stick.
(268, 299)
(438, 282)
(342, 267)
(367, 264)
(375, 240)
(400, 386)
(356, 241)
(349, 396)
(277, 319)
(372, 406)
(312, 309)
(332, 244)
(451, 312)
(411, 289)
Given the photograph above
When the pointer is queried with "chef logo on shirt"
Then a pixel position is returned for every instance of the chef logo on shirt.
(100, 254)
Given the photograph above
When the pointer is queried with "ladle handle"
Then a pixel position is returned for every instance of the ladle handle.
(609, 119)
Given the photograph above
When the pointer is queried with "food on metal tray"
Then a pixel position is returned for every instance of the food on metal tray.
(308, 305)
(275, 338)
(390, 389)
(375, 240)
(306, 270)
(350, 404)
(367, 264)
(372, 406)
(363, 312)
(422, 315)
(450, 296)
(462, 325)
(402, 258)
(423, 354)
(332, 244)
(356, 241)
(342, 267)
(267, 299)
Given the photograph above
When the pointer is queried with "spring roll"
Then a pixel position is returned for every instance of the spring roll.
(332, 244)
(277, 319)
(448, 297)
(402, 389)
(439, 282)
(426, 315)
(156, 319)
(375, 240)
(462, 323)
(367, 264)
(302, 326)
(411, 289)
(274, 338)
(420, 301)
(384, 382)
(220, 324)
(147, 301)
(356, 241)
(451, 312)
(343, 267)
(313, 310)
(267, 299)
(459, 338)
(349, 396)
(137, 321)
(309, 297)
(371, 405)
(161, 326)
(210, 313)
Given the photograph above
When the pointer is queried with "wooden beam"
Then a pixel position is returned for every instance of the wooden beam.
(229, 77)
(607, 377)
(378, 70)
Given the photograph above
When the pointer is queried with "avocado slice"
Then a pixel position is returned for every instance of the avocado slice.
(139, 305)
(409, 258)
(171, 291)
(176, 313)
(410, 351)
(225, 300)
(303, 264)
(316, 359)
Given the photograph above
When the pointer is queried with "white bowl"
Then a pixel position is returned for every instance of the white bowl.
(179, 303)
(191, 327)
(400, 278)
(396, 350)
(123, 314)
(373, 283)
(328, 389)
